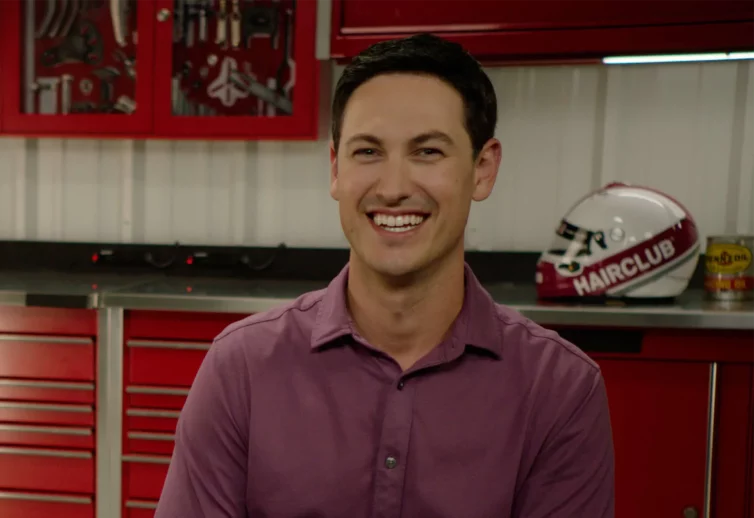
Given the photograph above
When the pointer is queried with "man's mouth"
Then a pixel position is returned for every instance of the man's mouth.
(398, 223)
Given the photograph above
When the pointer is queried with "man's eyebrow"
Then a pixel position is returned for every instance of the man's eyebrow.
(432, 135)
(417, 140)
(365, 137)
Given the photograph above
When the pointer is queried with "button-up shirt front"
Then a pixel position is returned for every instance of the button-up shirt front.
(293, 414)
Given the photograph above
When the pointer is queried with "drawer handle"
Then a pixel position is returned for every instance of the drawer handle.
(146, 459)
(29, 452)
(143, 412)
(169, 345)
(53, 385)
(34, 497)
(82, 409)
(46, 339)
(151, 436)
(141, 504)
(161, 391)
(56, 430)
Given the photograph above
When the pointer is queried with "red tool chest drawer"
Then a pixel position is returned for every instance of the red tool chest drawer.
(47, 357)
(156, 397)
(29, 469)
(140, 509)
(40, 505)
(153, 362)
(46, 413)
(158, 443)
(48, 391)
(144, 475)
(146, 419)
(47, 436)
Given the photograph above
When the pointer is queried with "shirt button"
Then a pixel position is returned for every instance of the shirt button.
(391, 462)
(400, 385)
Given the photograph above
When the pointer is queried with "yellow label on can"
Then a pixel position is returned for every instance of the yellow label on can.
(727, 258)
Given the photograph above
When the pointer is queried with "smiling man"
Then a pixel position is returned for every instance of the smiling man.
(402, 390)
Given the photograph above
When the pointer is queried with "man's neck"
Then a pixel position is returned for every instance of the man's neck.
(406, 320)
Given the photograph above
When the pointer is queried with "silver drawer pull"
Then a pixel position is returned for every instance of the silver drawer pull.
(152, 436)
(56, 430)
(52, 385)
(41, 407)
(141, 504)
(146, 459)
(46, 339)
(145, 412)
(156, 344)
(159, 391)
(31, 452)
(35, 497)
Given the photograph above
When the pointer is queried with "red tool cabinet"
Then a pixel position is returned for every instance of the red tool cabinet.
(163, 351)
(160, 68)
(47, 412)
(549, 29)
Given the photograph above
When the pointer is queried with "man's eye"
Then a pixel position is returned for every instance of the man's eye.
(367, 151)
(430, 151)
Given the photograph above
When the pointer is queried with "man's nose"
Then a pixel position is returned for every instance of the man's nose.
(394, 184)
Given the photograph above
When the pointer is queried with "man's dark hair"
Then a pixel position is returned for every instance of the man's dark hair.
(430, 55)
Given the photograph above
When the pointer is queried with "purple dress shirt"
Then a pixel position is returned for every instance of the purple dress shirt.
(293, 414)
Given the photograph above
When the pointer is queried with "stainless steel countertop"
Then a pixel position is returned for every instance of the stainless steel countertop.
(691, 310)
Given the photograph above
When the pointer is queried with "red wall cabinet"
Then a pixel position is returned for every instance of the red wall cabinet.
(160, 68)
(525, 29)
(261, 81)
(69, 71)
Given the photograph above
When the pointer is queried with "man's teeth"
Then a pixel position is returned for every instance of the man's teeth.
(400, 223)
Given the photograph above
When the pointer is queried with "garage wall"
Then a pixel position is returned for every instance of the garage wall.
(687, 129)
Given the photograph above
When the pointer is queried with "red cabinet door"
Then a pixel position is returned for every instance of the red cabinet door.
(156, 397)
(77, 68)
(14, 504)
(158, 443)
(734, 440)
(658, 411)
(46, 413)
(144, 476)
(66, 437)
(30, 469)
(151, 420)
(246, 70)
(147, 361)
(46, 357)
(139, 509)
(47, 391)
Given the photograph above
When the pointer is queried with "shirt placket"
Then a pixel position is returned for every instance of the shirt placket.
(392, 455)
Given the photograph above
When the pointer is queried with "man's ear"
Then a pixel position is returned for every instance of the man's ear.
(333, 171)
(486, 168)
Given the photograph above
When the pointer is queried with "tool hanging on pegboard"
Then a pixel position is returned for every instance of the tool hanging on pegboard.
(228, 60)
(91, 43)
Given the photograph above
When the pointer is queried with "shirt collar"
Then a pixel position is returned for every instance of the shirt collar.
(477, 324)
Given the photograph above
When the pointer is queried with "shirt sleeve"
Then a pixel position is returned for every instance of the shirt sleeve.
(208, 471)
(573, 474)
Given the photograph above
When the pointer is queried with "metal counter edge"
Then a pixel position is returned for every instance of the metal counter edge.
(655, 317)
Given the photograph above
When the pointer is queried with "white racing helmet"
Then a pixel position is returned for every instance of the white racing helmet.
(620, 241)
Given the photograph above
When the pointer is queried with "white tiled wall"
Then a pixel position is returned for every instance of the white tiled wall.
(687, 129)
